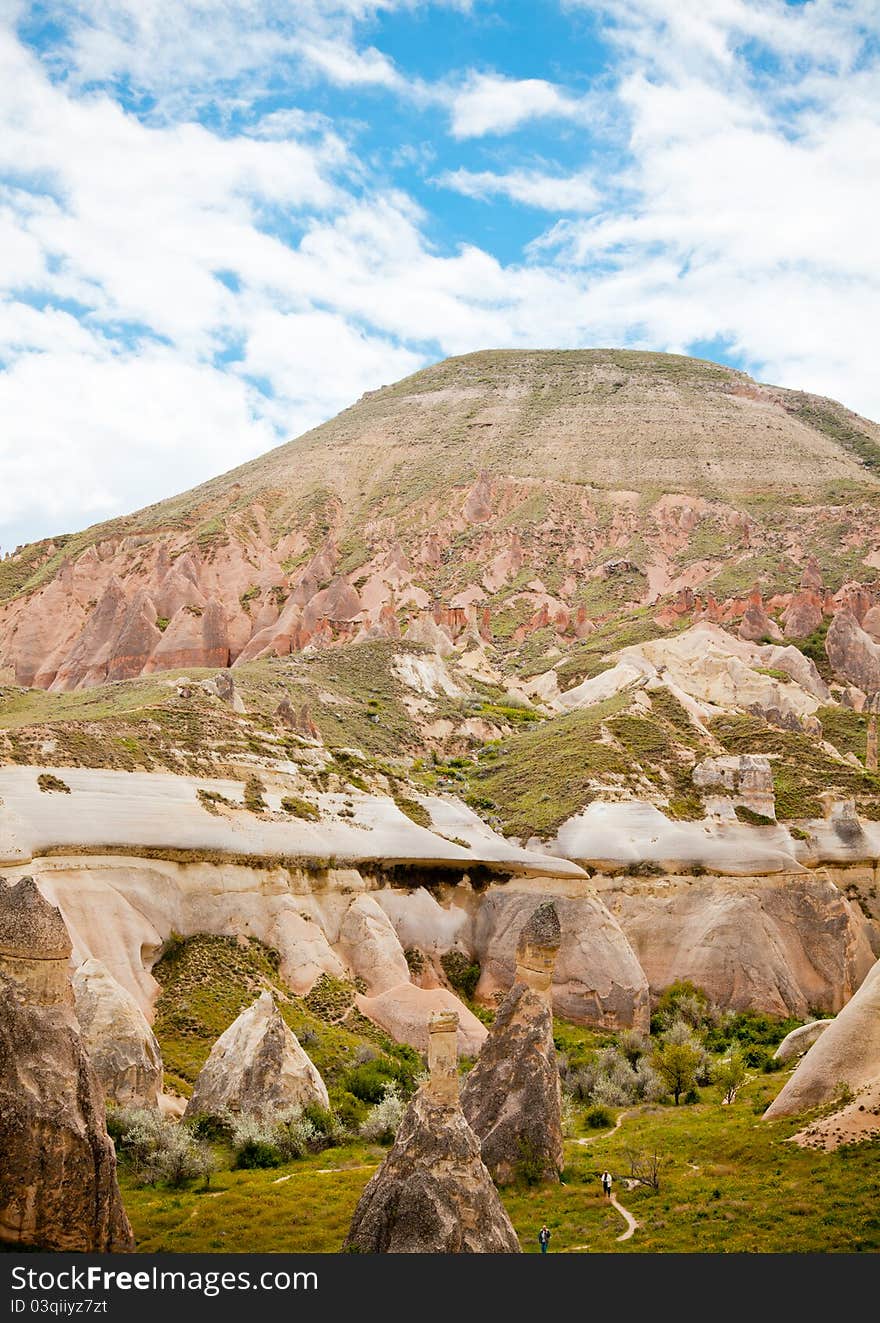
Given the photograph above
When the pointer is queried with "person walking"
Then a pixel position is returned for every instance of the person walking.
(606, 1184)
(544, 1238)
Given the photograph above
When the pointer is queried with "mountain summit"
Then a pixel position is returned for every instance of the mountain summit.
(505, 491)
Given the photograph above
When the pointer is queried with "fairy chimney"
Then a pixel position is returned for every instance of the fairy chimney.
(537, 949)
(512, 1097)
(443, 1057)
(58, 1190)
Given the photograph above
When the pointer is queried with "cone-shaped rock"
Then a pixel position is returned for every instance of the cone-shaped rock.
(257, 1067)
(433, 1193)
(848, 1052)
(121, 1045)
(796, 1043)
(58, 1188)
(512, 1097)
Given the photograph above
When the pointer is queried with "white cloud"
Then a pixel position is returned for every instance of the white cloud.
(81, 433)
(530, 187)
(491, 103)
(158, 274)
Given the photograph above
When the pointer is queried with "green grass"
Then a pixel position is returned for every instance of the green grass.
(542, 775)
(207, 981)
(730, 1183)
(840, 429)
(802, 771)
(538, 777)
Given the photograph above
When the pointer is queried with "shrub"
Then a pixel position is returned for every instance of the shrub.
(463, 974)
(730, 1074)
(49, 783)
(415, 960)
(158, 1150)
(682, 1000)
(215, 1129)
(530, 1166)
(599, 1117)
(281, 1137)
(677, 1064)
(569, 1116)
(300, 808)
(254, 790)
(380, 1125)
(633, 1045)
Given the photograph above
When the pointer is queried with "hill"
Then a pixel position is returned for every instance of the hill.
(509, 491)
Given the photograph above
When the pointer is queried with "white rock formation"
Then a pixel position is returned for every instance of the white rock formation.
(257, 1067)
(121, 1045)
(404, 1011)
(597, 978)
(799, 1040)
(779, 945)
(371, 947)
(847, 1053)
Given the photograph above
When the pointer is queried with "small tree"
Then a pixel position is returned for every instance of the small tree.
(677, 1063)
(730, 1074)
(644, 1168)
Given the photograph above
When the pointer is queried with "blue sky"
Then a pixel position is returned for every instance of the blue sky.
(222, 221)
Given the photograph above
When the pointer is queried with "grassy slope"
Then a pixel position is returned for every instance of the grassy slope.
(207, 981)
(751, 1191)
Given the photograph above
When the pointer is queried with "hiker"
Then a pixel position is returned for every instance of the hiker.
(544, 1238)
(606, 1184)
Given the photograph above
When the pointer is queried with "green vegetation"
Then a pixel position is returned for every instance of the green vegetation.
(254, 792)
(802, 771)
(534, 780)
(542, 775)
(838, 426)
(412, 809)
(49, 783)
(813, 646)
(300, 808)
(728, 1183)
(845, 729)
(774, 574)
(206, 982)
(752, 818)
(463, 973)
(212, 799)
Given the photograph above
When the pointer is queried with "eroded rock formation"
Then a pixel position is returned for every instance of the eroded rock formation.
(257, 1067)
(121, 1045)
(847, 1053)
(796, 1043)
(597, 978)
(58, 1188)
(433, 1193)
(512, 1096)
(780, 945)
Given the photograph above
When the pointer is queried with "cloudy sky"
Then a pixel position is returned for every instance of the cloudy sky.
(222, 220)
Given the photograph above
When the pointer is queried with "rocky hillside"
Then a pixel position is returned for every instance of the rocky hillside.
(529, 497)
(598, 626)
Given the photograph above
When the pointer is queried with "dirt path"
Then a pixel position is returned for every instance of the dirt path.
(605, 1134)
(325, 1171)
(631, 1223)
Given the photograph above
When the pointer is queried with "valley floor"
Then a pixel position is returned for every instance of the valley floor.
(729, 1183)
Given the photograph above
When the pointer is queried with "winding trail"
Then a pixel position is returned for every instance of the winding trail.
(631, 1223)
(606, 1134)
